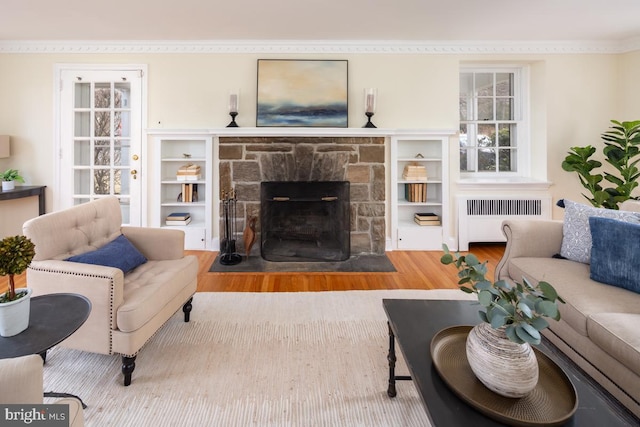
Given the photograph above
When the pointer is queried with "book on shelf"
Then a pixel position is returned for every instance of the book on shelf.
(178, 216)
(414, 173)
(177, 222)
(426, 216)
(421, 222)
(415, 192)
(189, 193)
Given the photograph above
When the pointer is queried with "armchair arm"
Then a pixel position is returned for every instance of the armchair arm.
(103, 286)
(21, 378)
(156, 243)
(529, 238)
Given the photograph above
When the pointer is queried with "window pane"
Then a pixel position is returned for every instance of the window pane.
(504, 84)
(117, 181)
(464, 140)
(486, 160)
(465, 105)
(508, 160)
(506, 135)
(82, 181)
(122, 123)
(102, 95)
(504, 108)
(121, 152)
(466, 84)
(484, 84)
(465, 160)
(485, 109)
(486, 135)
(102, 123)
(122, 95)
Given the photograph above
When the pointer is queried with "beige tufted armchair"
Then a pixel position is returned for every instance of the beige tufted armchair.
(21, 379)
(127, 307)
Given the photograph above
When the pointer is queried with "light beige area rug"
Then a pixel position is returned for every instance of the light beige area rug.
(254, 359)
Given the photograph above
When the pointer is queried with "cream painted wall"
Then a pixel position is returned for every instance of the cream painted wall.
(574, 96)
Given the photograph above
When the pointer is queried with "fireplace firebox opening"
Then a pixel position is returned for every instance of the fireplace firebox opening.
(305, 221)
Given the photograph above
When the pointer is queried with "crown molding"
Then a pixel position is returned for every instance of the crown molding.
(317, 47)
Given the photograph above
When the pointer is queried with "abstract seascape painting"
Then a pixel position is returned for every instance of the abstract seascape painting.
(302, 93)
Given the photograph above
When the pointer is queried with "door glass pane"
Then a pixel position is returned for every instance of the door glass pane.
(82, 123)
(102, 181)
(122, 123)
(121, 152)
(102, 96)
(81, 153)
(102, 152)
(82, 181)
(82, 95)
(122, 95)
(102, 123)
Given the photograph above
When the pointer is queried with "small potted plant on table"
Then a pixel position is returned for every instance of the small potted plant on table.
(9, 178)
(16, 253)
(499, 348)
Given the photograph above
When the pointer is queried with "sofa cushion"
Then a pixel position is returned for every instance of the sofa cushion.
(617, 334)
(615, 254)
(584, 297)
(576, 234)
(118, 253)
(153, 285)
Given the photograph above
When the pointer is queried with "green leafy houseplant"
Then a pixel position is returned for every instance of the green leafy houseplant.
(620, 151)
(521, 308)
(11, 175)
(16, 253)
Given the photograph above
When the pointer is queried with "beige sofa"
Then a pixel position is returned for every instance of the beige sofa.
(21, 379)
(599, 329)
(127, 309)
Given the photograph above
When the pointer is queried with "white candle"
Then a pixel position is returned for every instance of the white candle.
(370, 101)
(233, 103)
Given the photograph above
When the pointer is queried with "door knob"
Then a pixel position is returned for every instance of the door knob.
(135, 157)
(134, 173)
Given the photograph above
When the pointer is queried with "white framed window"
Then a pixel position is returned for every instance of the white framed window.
(494, 139)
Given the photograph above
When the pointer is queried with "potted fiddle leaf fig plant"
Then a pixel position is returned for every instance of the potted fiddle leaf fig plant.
(16, 253)
(499, 348)
(9, 177)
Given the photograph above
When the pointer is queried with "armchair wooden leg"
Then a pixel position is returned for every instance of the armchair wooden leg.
(128, 365)
(186, 308)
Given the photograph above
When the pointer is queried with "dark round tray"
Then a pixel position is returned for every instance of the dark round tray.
(551, 403)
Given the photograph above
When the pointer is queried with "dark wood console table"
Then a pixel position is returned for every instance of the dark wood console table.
(26, 191)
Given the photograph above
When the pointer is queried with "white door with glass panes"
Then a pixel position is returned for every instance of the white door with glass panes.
(101, 138)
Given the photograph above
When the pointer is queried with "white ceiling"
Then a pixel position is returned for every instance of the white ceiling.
(332, 20)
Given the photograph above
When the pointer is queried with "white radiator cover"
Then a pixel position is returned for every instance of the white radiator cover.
(480, 217)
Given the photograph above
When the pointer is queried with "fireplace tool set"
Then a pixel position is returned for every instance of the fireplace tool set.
(228, 254)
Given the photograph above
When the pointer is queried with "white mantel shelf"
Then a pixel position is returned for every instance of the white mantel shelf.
(285, 131)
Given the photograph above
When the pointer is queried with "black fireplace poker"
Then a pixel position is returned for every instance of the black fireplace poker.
(228, 254)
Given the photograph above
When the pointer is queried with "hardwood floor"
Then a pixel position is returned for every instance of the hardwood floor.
(415, 270)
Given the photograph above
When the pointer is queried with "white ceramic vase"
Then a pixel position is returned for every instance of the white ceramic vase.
(504, 367)
(8, 185)
(14, 315)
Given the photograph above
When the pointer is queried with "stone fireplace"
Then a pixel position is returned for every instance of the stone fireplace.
(246, 162)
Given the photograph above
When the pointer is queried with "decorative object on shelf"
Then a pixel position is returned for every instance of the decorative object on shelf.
(302, 93)
(16, 253)
(517, 311)
(370, 95)
(5, 145)
(414, 172)
(234, 102)
(188, 172)
(249, 235)
(9, 178)
(228, 254)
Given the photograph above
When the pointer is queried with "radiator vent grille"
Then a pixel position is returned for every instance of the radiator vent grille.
(504, 207)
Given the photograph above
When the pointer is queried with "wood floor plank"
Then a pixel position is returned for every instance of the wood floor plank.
(415, 270)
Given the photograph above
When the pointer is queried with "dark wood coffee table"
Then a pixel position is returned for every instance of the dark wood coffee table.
(413, 323)
(52, 318)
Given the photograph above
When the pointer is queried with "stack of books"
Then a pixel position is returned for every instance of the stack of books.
(427, 218)
(188, 172)
(189, 193)
(416, 192)
(178, 218)
(414, 173)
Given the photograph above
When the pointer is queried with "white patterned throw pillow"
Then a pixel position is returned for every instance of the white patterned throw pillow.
(576, 234)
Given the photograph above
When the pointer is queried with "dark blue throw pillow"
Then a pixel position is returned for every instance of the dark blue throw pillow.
(118, 253)
(615, 253)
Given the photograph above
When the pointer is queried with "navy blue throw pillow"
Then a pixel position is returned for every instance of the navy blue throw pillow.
(119, 253)
(615, 252)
